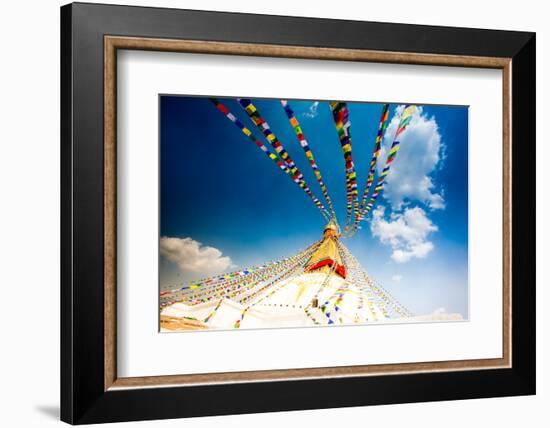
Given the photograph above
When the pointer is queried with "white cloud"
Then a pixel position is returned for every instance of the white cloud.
(192, 256)
(420, 154)
(312, 111)
(419, 251)
(406, 233)
(397, 278)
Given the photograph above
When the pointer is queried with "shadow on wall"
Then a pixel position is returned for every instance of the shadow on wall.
(52, 411)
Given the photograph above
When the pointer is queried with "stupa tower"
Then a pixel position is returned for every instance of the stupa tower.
(322, 285)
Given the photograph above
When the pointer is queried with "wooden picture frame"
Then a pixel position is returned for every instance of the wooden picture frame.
(91, 390)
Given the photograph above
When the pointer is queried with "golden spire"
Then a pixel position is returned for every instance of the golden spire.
(331, 229)
(327, 257)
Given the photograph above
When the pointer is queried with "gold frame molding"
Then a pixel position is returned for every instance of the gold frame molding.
(113, 43)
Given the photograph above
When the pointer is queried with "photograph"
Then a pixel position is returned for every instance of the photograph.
(282, 213)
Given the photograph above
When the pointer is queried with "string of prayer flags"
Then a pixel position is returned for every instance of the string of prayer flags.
(300, 182)
(404, 120)
(372, 168)
(233, 283)
(262, 124)
(309, 154)
(376, 151)
(340, 114)
(252, 112)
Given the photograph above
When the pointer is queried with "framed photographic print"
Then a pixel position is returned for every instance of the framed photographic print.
(265, 206)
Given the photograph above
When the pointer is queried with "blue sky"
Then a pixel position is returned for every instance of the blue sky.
(224, 204)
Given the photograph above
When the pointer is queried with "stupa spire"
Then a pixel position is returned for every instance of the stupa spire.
(327, 257)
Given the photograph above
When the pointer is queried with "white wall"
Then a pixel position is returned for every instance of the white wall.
(29, 213)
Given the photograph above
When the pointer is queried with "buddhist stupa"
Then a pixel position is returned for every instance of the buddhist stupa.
(322, 285)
